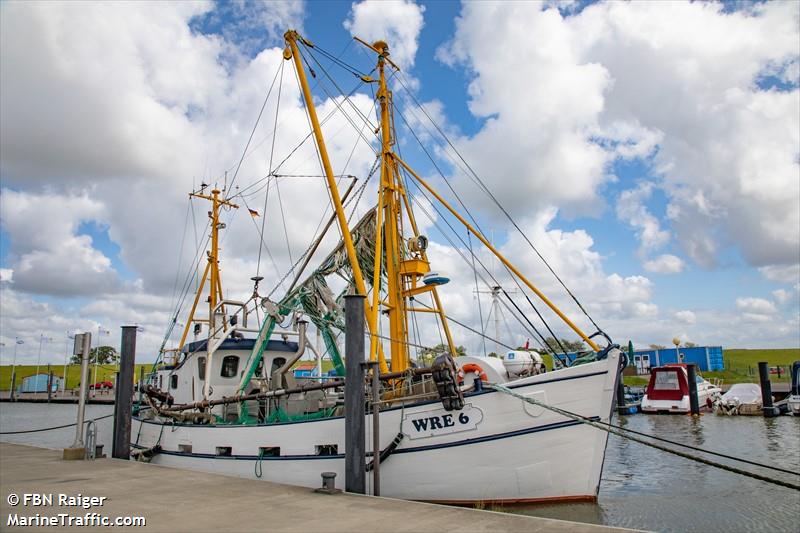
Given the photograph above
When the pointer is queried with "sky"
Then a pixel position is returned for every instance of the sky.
(650, 151)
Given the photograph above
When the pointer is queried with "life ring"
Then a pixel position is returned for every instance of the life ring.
(472, 367)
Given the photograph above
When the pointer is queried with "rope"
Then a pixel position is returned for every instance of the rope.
(54, 427)
(616, 430)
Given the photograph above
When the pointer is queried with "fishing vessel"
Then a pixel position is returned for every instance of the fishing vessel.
(228, 402)
(668, 390)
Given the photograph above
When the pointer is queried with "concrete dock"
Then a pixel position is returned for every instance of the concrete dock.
(180, 500)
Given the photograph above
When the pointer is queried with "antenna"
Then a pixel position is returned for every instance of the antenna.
(496, 310)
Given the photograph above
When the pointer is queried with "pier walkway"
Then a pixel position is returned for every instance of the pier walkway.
(180, 500)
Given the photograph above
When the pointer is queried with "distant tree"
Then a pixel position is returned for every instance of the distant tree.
(492, 354)
(570, 346)
(657, 347)
(429, 354)
(689, 344)
(103, 355)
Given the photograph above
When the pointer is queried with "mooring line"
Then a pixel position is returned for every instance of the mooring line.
(54, 427)
(615, 431)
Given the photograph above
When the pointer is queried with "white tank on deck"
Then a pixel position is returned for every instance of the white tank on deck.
(523, 363)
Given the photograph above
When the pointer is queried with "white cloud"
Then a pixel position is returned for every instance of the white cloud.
(756, 306)
(631, 209)
(397, 22)
(675, 82)
(665, 264)
(686, 317)
(782, 296)
(7, 275)
(48, 255)
(781, 273)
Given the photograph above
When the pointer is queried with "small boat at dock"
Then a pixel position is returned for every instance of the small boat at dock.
(741, 399)
(794, 393)
(668, 390)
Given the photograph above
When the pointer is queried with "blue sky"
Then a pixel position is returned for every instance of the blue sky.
(650, 146)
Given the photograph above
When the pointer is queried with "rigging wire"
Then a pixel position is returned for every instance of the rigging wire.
(249, 139)
(477, 291)
(516, 281)
(537, 336)
(345, 114)
(338, 88)
(483, 186)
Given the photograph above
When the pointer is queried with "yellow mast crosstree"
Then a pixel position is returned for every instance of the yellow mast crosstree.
(405, 263)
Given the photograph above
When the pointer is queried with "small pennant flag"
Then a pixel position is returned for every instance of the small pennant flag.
(253, 213)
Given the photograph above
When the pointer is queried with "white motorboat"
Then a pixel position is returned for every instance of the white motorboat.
(668, 390)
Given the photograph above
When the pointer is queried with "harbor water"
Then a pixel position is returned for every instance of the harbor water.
(642, 488)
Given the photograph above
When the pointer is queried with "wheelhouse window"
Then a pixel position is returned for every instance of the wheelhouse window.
(201, 367)
(173, 381)
(230, 366)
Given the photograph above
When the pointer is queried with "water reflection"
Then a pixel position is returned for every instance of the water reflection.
(644, 488)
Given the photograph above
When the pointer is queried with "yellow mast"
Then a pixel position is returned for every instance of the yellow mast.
(392, 214)
(211, 272)
(405, 265)
(292, 52)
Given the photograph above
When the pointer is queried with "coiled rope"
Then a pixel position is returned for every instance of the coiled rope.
(54, 427)
(616, 430)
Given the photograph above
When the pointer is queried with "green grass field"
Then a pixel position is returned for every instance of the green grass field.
(104, 373)
(741, 366)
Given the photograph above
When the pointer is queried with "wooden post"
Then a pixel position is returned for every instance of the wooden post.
(354, 460)
(121, 445)
(766, 391)
(694, 404)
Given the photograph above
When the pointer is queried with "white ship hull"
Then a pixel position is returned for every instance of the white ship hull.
(497, 449)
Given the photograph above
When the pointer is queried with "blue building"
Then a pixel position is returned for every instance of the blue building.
(707, 358)
(38, 383)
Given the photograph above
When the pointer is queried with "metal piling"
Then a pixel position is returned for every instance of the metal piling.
(354, 434)
(123, 398)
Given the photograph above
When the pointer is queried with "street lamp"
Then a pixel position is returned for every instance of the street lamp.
(17, 342)
(42, 339)
(66, 359)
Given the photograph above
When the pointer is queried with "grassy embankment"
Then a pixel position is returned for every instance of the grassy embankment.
(741, 366)
(104, 373)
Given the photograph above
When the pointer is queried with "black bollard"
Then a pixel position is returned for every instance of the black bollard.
(621, 409)
(354, 434)
(766, 391)
(123, 395)
(694, 404)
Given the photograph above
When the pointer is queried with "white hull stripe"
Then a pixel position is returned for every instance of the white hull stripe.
(498, 436)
